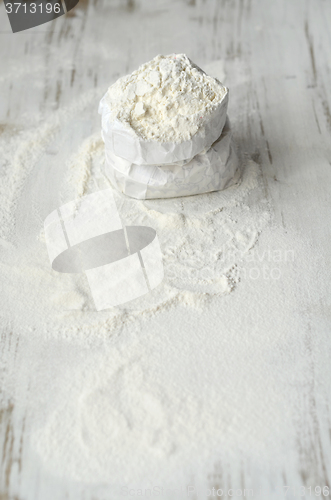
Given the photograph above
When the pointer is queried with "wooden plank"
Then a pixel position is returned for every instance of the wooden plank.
(276, 59)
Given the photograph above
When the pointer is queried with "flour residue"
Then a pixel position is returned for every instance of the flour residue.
(203, 238)
(124, 398)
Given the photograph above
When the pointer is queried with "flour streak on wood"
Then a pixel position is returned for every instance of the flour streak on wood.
(277, 65)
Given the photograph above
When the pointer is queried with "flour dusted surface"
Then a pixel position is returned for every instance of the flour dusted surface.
(167, 99)
(216, 360)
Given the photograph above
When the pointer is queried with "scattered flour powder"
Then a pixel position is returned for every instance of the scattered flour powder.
(116, 416)
(167, 99)
(133, 398)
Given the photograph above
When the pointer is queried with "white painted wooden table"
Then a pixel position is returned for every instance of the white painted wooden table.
(277, 61)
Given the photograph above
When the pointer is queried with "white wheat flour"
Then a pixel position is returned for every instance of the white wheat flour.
(167, 99)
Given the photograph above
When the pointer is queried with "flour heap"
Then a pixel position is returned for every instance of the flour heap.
(165, 132)
(166, 99)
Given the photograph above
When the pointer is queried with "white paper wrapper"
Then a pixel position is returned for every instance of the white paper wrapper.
(125, 143)
(210, 171)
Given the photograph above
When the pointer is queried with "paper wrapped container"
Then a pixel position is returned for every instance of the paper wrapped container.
(123, 141)
(212, 170)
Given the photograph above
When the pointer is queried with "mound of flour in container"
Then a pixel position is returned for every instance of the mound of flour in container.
(167, 99)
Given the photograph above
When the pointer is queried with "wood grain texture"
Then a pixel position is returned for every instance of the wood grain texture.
(277, 61)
